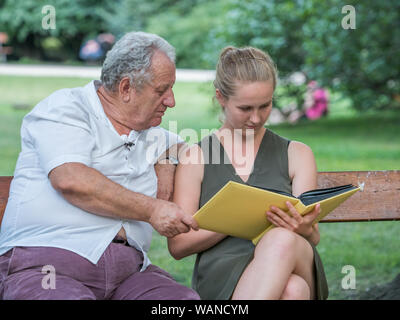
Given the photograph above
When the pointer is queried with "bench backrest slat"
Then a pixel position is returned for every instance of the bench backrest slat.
(379, 200)
(4, 190)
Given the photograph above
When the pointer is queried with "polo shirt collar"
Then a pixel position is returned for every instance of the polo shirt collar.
(95, 103)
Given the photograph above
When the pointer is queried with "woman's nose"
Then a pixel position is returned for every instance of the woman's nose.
(255, 117)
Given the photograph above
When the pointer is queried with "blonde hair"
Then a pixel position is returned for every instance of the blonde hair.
(243, 65)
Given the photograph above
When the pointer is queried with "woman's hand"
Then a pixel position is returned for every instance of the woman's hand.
(292, 220)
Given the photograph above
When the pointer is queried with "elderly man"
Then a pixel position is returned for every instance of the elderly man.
(82, 203)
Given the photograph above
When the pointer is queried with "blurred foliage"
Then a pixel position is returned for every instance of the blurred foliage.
(190, 32)
(135, 14)
(75, 21)
(308, 36)
(274, 26)
(362, 63)
(301, 35)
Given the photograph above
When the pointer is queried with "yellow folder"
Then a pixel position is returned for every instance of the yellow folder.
(240, 210)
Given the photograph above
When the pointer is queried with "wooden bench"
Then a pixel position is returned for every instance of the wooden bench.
(378, 201)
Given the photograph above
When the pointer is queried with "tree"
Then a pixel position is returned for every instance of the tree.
(308, 36)
(189, 29)
(275, 27)
(75, 20)
(362, 62)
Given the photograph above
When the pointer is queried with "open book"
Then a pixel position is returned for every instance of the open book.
(240, 210)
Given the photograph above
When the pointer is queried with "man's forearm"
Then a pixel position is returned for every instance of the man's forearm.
(91, 191)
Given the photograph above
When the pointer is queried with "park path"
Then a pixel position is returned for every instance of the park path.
(182, 75)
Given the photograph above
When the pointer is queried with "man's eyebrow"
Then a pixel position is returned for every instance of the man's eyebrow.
(164, 86)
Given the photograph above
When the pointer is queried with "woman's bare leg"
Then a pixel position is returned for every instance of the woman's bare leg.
(296, 289)
(278, 255)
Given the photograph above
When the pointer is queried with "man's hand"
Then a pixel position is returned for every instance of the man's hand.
(169, 219)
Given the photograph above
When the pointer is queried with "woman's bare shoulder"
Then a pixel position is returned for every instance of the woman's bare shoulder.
(297, 148)
(191, 155)
(301, 158)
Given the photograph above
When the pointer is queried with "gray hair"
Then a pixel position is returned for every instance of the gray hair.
(131, 57)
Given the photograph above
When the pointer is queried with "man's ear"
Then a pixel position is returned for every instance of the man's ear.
(124, 89)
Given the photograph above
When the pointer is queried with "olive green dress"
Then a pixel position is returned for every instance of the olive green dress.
(218, 269)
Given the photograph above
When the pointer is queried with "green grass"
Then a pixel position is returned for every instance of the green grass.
(344, 141)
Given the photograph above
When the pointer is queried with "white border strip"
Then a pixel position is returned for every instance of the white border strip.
(184, 75)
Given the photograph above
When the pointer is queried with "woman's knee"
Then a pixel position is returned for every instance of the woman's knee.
(296, 289)
(281, 240)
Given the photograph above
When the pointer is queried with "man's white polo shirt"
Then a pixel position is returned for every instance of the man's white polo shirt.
(71, 126)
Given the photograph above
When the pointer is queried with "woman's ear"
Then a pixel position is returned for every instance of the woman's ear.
(221, 99)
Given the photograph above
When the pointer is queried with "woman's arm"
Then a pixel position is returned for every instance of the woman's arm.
(187, 188)
(165, 180)
(302, 168)
(165, 171)
(303, 173)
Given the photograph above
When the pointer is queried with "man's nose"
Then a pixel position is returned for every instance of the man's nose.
(169, 100)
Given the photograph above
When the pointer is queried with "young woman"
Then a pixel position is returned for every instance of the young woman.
(285, 263)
